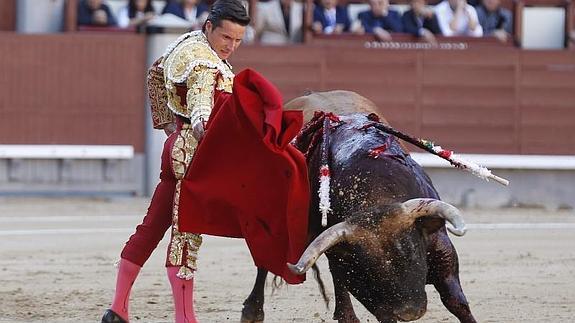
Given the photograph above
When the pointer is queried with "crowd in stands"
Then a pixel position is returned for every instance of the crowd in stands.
(280, 21)
(447, 18)
(139, 12)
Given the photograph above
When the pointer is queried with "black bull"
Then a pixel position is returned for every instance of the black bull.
(386, 237)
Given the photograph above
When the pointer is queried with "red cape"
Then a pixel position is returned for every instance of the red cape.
(246, 180)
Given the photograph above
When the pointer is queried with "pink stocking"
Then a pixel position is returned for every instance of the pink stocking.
(183, 292)
(127, 273)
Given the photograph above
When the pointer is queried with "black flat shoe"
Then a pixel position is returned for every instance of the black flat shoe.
(111, 317)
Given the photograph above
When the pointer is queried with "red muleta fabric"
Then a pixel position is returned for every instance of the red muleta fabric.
(247, 181)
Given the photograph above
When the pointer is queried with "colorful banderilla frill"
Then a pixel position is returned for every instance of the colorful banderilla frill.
(448, 155)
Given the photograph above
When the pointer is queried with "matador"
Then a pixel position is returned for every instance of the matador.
(183, 85)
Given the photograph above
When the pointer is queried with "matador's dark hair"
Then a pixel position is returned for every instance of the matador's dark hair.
(232, 10)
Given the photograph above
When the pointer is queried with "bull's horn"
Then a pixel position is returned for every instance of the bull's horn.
(417, 208)
(327, 239)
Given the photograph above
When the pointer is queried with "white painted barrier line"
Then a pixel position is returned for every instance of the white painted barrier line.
(470, 227)
(519, 226)
(125, 217)
(63, 231)
(494, 161)
(67, 151)
(68, 218)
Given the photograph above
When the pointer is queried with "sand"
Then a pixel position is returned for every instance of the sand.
(57, 255)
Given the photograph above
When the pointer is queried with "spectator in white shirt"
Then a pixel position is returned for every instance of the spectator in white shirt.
(457, 18)
(279, 22)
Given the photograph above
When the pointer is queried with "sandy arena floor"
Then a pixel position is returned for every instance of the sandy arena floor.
(57, 255)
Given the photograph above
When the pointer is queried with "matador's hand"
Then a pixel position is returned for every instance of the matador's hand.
(170, 128)
(198, 130)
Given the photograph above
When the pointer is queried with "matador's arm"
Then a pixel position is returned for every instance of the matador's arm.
(200, 97)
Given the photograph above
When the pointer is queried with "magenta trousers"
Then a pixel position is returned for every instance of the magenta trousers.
(158, 219)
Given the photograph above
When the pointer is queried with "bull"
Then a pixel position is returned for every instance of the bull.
(386, 236)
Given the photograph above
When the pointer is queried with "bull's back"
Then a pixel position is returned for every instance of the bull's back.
(338, 102)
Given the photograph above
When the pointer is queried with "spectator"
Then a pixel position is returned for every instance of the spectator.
(279, 22)
(136, 13)
(379, 20)
(95, 13)
(421, 21)
(457, 18)
(495, 20)
(193, 11)
(329, 18)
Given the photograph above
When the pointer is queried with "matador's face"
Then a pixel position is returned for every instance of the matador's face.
(225, 39)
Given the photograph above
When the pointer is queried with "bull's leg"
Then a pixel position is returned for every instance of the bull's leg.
(343, 312)
(253, 311)
(444, 275)
(453, 298)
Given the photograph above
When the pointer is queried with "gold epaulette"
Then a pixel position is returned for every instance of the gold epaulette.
(191, 52)
(190, 64)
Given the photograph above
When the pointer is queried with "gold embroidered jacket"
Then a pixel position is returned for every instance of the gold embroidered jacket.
(183, 80)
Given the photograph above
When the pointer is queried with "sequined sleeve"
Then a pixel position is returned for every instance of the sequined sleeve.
(161, 114)
(200, 95)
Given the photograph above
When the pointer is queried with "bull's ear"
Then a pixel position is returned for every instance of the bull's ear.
(430, 224)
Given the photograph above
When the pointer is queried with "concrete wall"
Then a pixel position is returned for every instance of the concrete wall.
(94, 177)
(157, 44)
(550, 189)
(40, 16)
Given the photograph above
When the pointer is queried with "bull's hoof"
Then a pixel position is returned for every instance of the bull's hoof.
(244, 320)
(252, 315)
(250, 321)
(352, 320)
(346, 318)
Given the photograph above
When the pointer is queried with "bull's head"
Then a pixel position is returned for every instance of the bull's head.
(389, 245)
